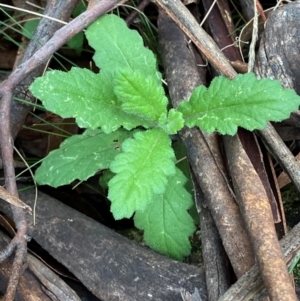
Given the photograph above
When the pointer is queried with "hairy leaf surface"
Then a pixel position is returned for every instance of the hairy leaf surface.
(140, 95)
(244, 101)
(141, 172)
(172, 123)
(119, 47)
(80, 157)
(166, 222)
(86, 96)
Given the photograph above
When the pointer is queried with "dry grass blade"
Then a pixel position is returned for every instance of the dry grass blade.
(10, 198)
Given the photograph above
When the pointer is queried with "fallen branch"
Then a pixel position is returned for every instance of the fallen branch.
(250, 285)
(280, 61)
(107, 263)
(256, 211)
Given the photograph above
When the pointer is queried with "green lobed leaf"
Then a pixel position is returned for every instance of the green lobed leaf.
(166, 222)
(87, 96)
(119, 47)
(182, 162)
(244, 101)
(80, 157)
(173, 123)
(140, 95)
(141, 172)
(106, 176)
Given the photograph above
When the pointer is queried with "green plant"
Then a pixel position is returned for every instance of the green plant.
(124, 109)
(75, 43)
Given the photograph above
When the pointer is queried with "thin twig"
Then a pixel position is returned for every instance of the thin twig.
(254, 39)
(176, 10)
(142, 5)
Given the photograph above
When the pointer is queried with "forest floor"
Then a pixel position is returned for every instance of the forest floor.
(237, 208)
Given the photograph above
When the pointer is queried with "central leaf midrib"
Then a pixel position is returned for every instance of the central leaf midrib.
(213, 110)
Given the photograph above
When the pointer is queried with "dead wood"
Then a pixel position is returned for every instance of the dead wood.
(108, 264)
(183, 18)
(247, 9)
(250, 286)
(255, 208)
(50, 283)
(287, 133)
(29, 288)
(281, 153)
(222, 29)
(216, 262)
(278, 58)
(202, 149)
(263, 166)
(55, 287)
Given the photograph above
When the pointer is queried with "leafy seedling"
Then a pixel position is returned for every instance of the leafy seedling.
(128, 127)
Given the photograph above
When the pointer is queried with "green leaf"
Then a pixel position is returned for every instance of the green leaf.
(173, 123)
(166, 222)
(86, 96)
(141, 172)
(244, 101)
(106, 176)
(30, 27)
(140, 95)
(119, 47)
(76, 43)
(182, 162)
(79, 9)
(80, 157)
